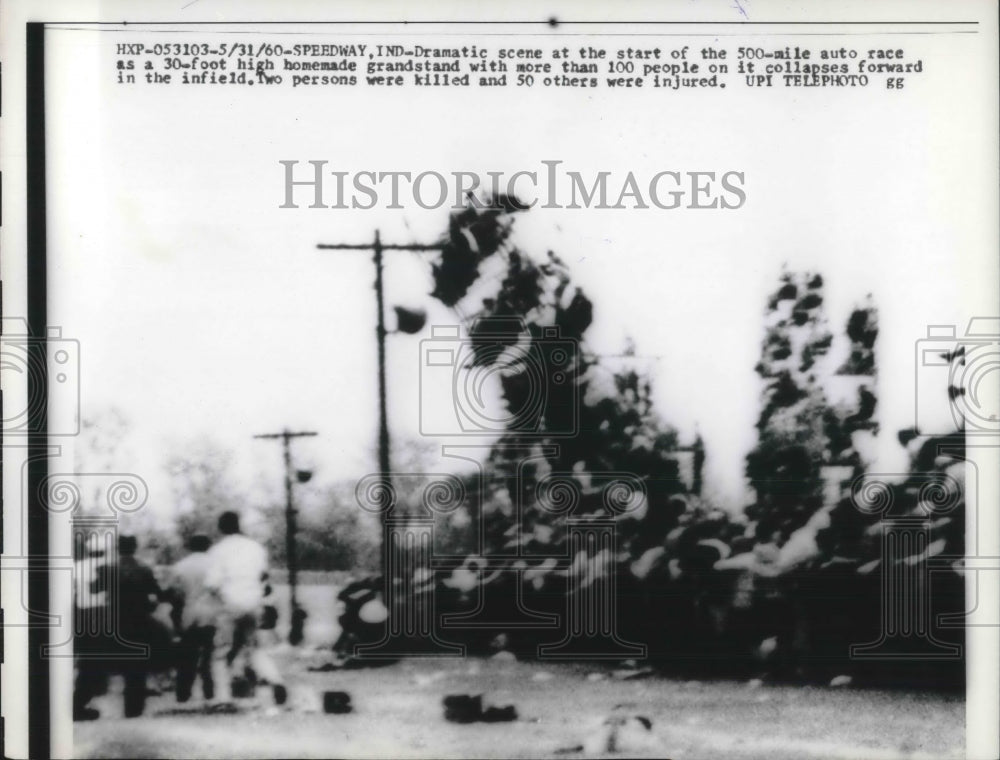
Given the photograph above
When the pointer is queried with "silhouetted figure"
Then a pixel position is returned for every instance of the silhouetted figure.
(194, 614)
(137, 593)
(363, 617)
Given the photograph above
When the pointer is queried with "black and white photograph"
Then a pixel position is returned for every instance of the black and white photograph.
(426, 380)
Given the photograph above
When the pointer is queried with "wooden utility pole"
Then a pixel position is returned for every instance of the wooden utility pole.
(378, 247)
(297, 618)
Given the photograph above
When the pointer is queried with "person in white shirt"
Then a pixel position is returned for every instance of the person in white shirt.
(237, 579)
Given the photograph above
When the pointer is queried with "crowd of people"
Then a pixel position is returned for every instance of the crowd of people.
(709, 595)
(219, 600)
(703, 593)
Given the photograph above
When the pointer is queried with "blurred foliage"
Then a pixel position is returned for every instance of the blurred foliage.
(793, 440)
(783, 590)
(571, 416)
(203, 487)
(332, 533)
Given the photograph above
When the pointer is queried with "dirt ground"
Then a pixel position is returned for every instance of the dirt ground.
(398, 713)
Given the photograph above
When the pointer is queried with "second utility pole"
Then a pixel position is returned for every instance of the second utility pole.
(297, 618)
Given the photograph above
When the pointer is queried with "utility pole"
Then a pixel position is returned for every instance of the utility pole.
(378, 247)
(298, 618)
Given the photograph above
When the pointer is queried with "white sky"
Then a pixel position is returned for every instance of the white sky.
(203, 308)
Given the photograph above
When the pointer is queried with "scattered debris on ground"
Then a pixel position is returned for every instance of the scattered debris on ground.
(619, 733)
(468, 708)
(336, 702)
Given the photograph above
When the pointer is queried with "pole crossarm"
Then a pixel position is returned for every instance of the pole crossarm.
(384, 246)
(286, 434)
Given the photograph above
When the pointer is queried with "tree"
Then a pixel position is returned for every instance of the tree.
(333, 533)
(100, 449)
(529, 325)
(848, 534)
(843, 424)
(203, 487)
(793, 442)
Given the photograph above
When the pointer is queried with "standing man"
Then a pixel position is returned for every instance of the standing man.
(137, 596)
(194, 612)
(237, 577)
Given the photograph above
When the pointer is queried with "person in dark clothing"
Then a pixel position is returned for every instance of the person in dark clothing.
(92, 625)
(354, 629)
(136, 596)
